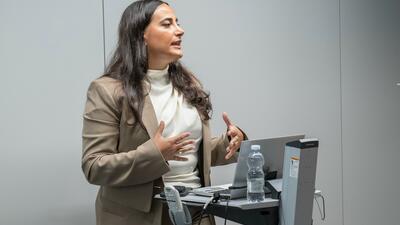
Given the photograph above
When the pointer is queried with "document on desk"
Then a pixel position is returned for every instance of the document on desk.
(242, 203)
(195, 198)
(245, 204)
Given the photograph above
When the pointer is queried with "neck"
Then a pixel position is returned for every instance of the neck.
(154, 64)
(157, 67)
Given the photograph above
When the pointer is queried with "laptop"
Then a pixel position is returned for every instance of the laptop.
(273, 150)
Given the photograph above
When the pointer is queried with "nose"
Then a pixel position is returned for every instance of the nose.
(179, 31)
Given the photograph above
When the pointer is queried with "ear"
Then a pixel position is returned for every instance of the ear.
(145, 36)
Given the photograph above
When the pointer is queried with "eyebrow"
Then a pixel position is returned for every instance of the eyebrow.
(169, 19)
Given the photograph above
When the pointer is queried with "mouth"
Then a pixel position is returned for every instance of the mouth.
(176, 44)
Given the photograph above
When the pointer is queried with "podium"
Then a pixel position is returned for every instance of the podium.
(238, 210)
(247, 213)
(291, 201)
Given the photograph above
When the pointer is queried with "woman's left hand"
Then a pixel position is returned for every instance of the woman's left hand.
(235, 135)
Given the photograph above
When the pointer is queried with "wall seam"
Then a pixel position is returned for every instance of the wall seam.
(341, 107)
(104, 35)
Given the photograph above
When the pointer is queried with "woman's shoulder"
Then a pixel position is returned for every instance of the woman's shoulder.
(107, 85)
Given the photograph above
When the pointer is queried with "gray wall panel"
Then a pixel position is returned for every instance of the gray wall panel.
(371, 109)
(50, 50)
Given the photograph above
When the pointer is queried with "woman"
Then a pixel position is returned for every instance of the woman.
(146, 122)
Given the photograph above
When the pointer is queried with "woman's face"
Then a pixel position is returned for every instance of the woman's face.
(163, 36)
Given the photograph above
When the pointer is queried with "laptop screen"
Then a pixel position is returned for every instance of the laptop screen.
(273, 150)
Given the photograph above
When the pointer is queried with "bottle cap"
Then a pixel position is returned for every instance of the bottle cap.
(255, 147)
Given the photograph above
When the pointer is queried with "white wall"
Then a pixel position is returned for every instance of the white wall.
(49, 51)
(324, 68)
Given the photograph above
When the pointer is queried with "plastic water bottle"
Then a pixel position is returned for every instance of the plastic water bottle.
(255, 175)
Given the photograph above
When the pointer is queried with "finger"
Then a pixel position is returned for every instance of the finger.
(180, 158)
(230, 154)
(229, 148)
(184, 150)
(233, 145)
(186, 144)
(226, 119)
(160, 128)
(233, 141)
(180, 137)
(232, 132)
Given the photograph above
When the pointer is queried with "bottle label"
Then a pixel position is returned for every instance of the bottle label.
(255, 185)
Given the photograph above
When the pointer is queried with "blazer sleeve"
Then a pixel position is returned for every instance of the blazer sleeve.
(218, 150)
(102, 164)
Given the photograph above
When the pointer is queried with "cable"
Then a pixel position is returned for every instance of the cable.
(196, 215)
(323, 214)
(214, 198)
(226, 210)
(323, 206)
(201, 216)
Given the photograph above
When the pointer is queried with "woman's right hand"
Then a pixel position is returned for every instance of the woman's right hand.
(171, 147)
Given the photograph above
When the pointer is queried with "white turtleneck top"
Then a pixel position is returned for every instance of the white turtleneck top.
(179, 117)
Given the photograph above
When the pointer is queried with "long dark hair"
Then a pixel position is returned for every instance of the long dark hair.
(129, 63)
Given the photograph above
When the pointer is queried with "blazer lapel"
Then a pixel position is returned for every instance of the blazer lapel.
(149, 117)
(206, 152)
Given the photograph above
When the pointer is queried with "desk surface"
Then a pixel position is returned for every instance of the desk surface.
(192, 199)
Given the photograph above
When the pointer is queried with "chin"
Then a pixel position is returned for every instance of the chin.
(177, 55)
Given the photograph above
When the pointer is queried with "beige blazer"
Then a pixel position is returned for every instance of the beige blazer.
(123, 159)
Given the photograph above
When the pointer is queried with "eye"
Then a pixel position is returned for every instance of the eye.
(166, 24)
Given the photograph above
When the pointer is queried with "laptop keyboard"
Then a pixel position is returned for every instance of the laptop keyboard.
(209, 191)
(224, 192)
